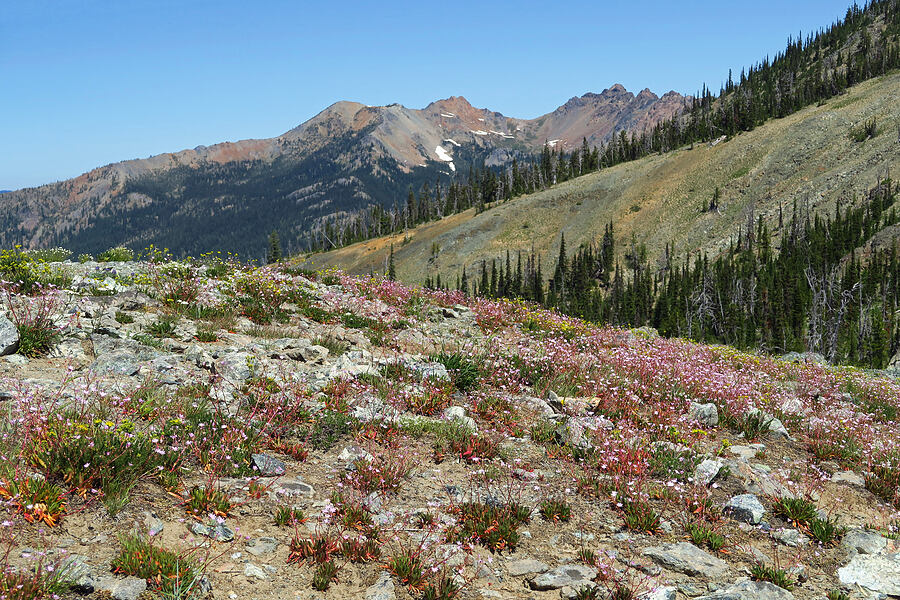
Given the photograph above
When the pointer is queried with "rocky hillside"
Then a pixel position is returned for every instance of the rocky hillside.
(209, 430)
(231, 195)
(809, 158)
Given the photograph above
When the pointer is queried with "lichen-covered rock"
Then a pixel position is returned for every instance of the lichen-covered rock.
(688, 559)
(746, 508)
(9, 336)
(878, 573)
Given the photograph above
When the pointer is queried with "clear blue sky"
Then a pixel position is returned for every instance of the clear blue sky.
(85, 83)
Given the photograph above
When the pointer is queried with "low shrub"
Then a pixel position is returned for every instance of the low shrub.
(117, 254)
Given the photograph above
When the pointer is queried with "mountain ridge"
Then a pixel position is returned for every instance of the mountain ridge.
(344, 158)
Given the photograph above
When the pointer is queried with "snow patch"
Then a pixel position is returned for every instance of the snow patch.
(501, 134)
(455, 143)
(479, 132)
(552, 143)
(448, 115)
(480, 119)
(443, 155)
(452, 166)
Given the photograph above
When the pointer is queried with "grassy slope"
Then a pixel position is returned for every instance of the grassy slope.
(805, 157)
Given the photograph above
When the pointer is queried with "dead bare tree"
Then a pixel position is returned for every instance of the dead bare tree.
(827, 310)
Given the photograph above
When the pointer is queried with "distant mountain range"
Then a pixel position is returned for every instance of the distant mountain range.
(229, 196)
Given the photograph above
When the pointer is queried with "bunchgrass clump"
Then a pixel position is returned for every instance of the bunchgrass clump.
(173, 575)
(464, 372)
(45, 581)
(383, 474)
(884, 478)
(117, 254)
(798, 511)
(826, 531)
(36, 499)
(702, 535)
(556, 510)
(754, 424)
(640, 516)
(762, 572)
(493, 526)
(461, 441)
(407, 566)
(207, 500)
(288, 515)
(668, 463)
(99, 455)
(162, 327)
(445, 588)
(324, 575)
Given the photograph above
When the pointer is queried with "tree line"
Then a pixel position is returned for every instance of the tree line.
(826, 288)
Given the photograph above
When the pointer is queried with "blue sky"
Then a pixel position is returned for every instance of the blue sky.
(85, 83)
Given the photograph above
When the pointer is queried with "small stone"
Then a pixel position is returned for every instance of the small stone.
(351, 454)
(707, 414)
(80, 573)
(743, 452)
(790, 537)
(850, 478)
(153, 524)
(458, 414)
(526, 566)
(574, 576)
(687, 558)
(383, 589)
(254, 572)
(746, 508)
(706, 471)
(294, 487)
(660, 593)
(268, 466)
(219, 532)
(129, 588)
(262, 545)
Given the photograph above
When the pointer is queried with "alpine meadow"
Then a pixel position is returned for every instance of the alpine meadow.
(640, 347)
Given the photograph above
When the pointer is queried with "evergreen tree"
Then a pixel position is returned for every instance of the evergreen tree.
(392, 271)
(273, 255)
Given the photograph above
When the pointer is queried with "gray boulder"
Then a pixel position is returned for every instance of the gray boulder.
(573, 576)
(219, 532)
(707, 414)
(526, 566)
(707, 470)
(129, 588)
(875, 573)
(863, 541)
(9, 336)
(268, 466)
(746, 508)
(687, 558)
(383, 589)
(751, 590)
